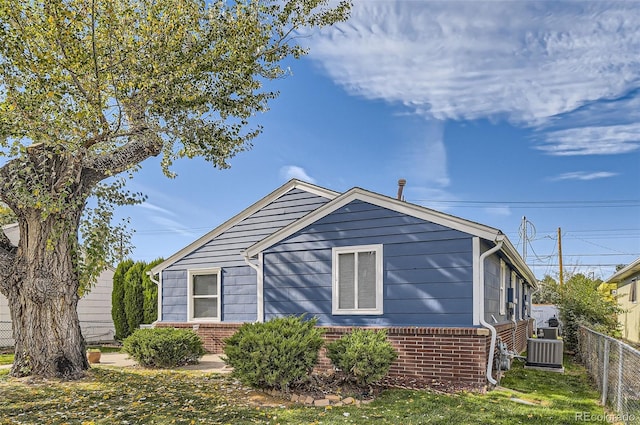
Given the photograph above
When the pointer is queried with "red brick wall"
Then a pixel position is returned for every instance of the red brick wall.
(426, 356)
(431, 356)
(212, 334)
(523, 330)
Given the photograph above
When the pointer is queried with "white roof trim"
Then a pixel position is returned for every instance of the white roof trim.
(290, 185)
(382, 201)
(625, 272)
(457, 223)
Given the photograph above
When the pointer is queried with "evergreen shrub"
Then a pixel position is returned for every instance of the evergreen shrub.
(364, 355)
(274, 354)
(164, 347)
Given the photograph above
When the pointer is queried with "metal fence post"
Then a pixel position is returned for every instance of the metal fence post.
(605, 372)
(620, 377)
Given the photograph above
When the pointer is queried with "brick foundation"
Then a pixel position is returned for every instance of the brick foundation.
(457, 356)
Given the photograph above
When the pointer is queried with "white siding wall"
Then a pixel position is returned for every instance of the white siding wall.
(94, 311)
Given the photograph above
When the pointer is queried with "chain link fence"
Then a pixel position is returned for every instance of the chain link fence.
(615, 366)
(6, 335)
(93, 332)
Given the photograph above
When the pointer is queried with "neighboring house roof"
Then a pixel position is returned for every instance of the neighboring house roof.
(13, 233)
(466, 226)
(290, 185)
(624, 273)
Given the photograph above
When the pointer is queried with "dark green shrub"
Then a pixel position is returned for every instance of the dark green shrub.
(274, 354)
(150, 294)
(363, 355)
(117, 300)
(164, 347)
(134, 296)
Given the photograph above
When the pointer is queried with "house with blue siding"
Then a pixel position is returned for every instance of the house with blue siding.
(443, 287)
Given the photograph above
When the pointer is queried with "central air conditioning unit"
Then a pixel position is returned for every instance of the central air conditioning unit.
(545, 354)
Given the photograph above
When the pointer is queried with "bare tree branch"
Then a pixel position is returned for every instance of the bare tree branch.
(143, 144)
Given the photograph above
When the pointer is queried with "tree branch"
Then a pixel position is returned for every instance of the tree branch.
(143, 144)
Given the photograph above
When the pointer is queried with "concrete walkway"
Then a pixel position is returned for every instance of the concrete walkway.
(208, 363)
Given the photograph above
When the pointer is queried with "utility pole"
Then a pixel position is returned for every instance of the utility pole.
(523, 227)
(560, 253)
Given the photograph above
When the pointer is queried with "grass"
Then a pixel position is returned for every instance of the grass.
(136, 396)
(6, 359)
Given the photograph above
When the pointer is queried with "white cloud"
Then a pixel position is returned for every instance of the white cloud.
(156, 208)
(594, 140)
(502, 211)
(289, 172)
(583, 175)
(524, 61)
(173, 226)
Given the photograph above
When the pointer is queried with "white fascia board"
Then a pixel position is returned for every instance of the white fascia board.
(290, 185)
(514, 257)
(402, 207)
(625, 272)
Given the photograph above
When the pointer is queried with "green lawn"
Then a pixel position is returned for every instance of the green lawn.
(133, 396)
(6, 359)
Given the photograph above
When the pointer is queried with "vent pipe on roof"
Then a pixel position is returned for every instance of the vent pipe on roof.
(401, 184)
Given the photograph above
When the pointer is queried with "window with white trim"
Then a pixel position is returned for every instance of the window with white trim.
(633, 291)
(503, 287)
(204, 294)
(357, 279)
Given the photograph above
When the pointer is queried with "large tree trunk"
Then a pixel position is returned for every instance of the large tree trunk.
(43, 296)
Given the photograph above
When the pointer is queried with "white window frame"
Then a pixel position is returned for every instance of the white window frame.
(514, 289)
(335, 252)
(633, 291)
(503, 288)
(190, 297)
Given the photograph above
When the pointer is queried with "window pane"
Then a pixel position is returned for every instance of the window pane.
(205, 308)
(367, 279)
(205, 284)
(346, 281)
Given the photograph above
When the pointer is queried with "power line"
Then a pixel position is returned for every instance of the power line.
(609, 203)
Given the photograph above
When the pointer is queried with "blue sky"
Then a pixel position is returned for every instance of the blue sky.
(490, 110)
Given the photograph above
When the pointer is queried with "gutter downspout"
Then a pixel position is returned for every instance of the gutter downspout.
(259, 285)
(494, 333)
(157, 282)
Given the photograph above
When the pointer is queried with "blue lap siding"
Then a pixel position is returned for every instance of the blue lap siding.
(238, 280)
(427, 269)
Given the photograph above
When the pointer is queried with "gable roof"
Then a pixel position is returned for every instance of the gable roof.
(622, 274)
(288, 186)
(427, 214)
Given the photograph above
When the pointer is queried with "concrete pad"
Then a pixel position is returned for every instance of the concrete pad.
(208, 363)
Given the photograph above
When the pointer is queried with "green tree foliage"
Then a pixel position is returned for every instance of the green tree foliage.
(365, 356)
(150, 292)
(547, 291)
(6, 215)
(581, 303)
(274, 354)
(89, 89)
(118, 313)
(134, 296)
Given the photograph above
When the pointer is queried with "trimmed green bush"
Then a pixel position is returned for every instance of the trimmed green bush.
(274, 354)
(164, 347)
(117, 301)
(363, 355)
(134, 296)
